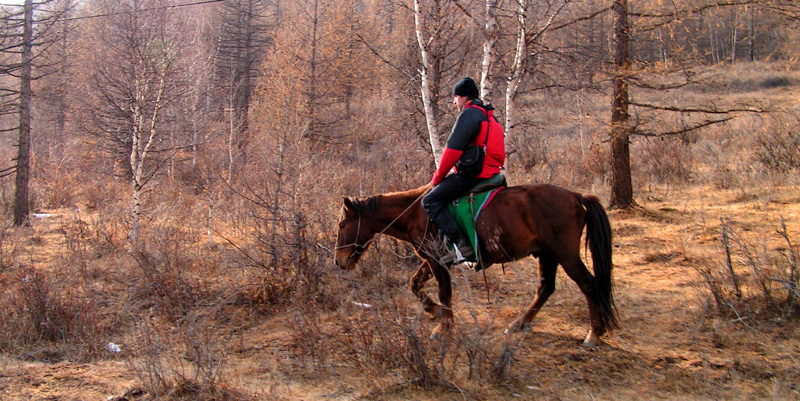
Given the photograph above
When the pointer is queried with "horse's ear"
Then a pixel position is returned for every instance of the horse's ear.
(349, 207)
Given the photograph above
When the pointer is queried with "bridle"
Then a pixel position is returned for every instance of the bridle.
(359, 249)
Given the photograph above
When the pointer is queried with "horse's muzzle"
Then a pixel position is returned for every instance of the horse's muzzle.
(346, 264)
(341, 264)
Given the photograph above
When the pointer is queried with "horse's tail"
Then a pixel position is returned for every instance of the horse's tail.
(598, 238)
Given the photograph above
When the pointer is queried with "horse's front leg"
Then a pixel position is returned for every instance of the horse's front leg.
(443, 311)
(417, 282)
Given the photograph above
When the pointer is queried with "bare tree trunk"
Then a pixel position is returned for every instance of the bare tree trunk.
(712, 42)
(491, 31)
(734, 33)
(312, 96)
(276, 200)
(579, 104)
(429, 80)
(621, 186)
(232, 145)
(143, 136)
(300, 251)
(240, 46)
(751, 35)
(518, 67)
(21, 206)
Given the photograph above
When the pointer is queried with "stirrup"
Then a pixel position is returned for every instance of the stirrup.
(454, 256)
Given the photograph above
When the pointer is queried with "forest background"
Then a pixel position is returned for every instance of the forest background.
(197, 153)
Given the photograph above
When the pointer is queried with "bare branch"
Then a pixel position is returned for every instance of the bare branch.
(384, 59)
(683, 131)
(705, 110)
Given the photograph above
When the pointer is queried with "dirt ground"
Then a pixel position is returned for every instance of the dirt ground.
(670, 345)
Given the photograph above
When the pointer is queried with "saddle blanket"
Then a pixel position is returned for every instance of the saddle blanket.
(466, 211)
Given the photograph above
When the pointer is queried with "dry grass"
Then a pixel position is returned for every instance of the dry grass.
(212, 304)
(672, 344)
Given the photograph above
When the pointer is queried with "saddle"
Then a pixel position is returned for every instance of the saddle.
(493, 182)
(466, 209)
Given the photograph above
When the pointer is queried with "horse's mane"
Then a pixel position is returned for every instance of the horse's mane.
(370, 204)
(367, 205)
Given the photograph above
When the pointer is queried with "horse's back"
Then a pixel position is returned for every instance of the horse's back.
(546, 200)
(529, 219)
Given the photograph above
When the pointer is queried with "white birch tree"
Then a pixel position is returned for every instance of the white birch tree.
(491, 31)
(429, 78)
(528, 32)
(153, 69)
(134, 74)
(444, 44)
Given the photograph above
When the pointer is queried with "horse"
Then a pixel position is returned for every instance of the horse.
(541, 220)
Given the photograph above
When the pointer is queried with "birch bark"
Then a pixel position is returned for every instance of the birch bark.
(518, 67)
(143, 136)
(427, 76)
(490, 40)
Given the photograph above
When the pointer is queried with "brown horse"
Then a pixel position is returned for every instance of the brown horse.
(540, 220)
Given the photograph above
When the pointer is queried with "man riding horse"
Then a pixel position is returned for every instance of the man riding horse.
(541, 220)
(472, 129)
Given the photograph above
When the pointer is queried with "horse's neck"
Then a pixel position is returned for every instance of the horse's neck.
(398, 214)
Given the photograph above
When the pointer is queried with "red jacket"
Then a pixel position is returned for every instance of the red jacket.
(470, 130)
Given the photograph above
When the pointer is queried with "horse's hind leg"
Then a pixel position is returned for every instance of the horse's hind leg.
(578, 272)
(442, 311)
(547, 285)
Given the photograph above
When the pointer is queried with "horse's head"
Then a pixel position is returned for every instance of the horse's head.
(354, 236)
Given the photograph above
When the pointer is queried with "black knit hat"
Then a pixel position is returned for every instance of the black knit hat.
(466, 87)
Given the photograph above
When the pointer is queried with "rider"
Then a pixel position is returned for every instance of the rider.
(447, 188)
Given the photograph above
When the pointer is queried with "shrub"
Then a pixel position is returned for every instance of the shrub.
(778, 148)
(754, 278)
(775, 82)
(41, 315)
(185, 365)
(161, 284)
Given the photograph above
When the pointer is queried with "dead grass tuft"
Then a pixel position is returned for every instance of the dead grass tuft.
(758, 278)
(47, 321)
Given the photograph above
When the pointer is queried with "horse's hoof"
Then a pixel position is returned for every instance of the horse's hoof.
(514, 327)
(437, 334)
(592, 340)
(440, 330)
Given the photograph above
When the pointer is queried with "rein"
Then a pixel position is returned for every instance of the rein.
(358, 249)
